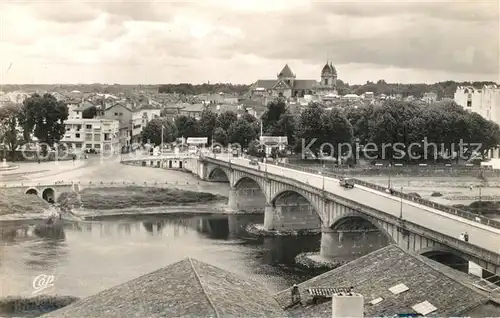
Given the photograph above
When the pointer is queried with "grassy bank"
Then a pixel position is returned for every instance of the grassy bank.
(133, 196)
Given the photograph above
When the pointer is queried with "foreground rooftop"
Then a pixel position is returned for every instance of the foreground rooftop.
(189, 288)
(395, 281)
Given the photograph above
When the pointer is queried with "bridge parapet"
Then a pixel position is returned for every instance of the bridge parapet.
(458, 212)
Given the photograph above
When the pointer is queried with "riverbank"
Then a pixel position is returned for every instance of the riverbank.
(258, 230)
(107, 198)
(33, 306)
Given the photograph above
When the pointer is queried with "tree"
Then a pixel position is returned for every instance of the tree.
(225, 120)
(275, 109)
(207, 124)
(153, 131)
(241, 132)
(44, 116)
(10, 132)
(220, 136)
(337, 130)
(186, 126)
(89, 112)
(310, 131)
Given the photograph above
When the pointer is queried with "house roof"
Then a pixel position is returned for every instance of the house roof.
(193, 108)
(286, 72)
(304, 84)
(119, 104)
(189, 288)
(266, 84)
(449, 290)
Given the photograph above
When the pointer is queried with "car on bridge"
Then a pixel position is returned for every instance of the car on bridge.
(346, 183)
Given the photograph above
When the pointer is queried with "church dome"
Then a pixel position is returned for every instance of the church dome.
(334, 70)
(326, 70)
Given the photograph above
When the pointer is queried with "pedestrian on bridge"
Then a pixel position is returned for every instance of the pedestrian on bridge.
(466, 237)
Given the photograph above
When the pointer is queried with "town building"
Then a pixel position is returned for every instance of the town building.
(192, 110)
(485, 101)
(287, 85)
(140, 118)
(123, 114)
(102, 135)
(430, 97)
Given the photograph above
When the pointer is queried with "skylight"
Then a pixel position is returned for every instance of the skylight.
(398, 289)
(376, 301)
(424, 308)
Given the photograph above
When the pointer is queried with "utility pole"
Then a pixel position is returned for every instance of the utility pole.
(161, 146)
(401, 205)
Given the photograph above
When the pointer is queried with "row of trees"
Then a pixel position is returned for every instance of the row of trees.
(445, 124)
(41, 116)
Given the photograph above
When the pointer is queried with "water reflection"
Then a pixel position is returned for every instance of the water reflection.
(100, 254)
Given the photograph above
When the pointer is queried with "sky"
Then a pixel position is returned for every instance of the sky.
(236, 41)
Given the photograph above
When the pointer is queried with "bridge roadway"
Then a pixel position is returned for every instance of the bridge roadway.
(481, 235)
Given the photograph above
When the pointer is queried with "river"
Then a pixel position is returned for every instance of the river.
(97, 255)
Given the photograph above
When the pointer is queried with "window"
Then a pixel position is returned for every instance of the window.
(88, 137)
(88, 146)
(77, 135)
(68, 128)
(121, 114)
(88, 126)
(97, 146)
(469, 103)
(78, 145)
(97, 137)
(424, 308)
(376, 301)
(116, 114)
(398, 289)
(78, 127)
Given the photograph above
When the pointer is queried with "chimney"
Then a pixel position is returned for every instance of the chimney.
(347, 305)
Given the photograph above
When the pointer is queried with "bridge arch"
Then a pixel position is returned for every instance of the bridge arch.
(49, 194)
(245, 179)
(32, 191)
(338, 222)
(286, 196)
(218, 174)
(446, 256)
(306, 195)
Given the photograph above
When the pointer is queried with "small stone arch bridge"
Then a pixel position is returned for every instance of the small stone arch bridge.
(48, 192)
(294, 199)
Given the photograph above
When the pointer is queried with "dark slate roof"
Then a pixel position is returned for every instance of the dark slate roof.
(286, 72)
(267, 84)
(188, 288)
(304, 84)
(450, 291)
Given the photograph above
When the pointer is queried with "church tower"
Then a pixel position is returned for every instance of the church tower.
(287, 75)
(329, 76)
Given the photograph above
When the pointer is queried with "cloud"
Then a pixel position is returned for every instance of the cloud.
(459, 37)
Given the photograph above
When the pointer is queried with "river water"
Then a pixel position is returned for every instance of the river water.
(97, 255)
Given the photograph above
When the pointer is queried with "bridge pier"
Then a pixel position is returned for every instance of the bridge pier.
(347, 245)
(246, 199)
(292, 216)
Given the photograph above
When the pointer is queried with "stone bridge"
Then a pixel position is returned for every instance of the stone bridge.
(293, 199)
(48, 192)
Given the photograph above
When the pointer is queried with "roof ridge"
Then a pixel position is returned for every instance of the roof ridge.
(203, 288)
(430, 263)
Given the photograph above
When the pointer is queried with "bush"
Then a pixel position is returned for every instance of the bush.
(436, 194)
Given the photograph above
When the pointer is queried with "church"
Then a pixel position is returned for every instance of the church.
(288, 86)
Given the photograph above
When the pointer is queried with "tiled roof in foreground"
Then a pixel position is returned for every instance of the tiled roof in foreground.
(450, 291)
(188, 288)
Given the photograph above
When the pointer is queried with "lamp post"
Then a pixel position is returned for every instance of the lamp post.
(356, 142)
(401, 205)
(480, 196)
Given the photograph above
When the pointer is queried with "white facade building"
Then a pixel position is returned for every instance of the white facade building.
(98, 134)
(140, 119)
(484, 101)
